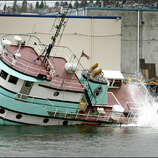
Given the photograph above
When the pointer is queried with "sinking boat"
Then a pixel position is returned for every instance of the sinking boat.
(39, 89)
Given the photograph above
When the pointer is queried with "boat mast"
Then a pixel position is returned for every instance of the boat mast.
(53, 38)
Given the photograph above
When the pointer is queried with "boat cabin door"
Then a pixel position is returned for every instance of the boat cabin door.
(26, 88)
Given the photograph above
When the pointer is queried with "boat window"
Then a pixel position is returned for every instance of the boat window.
(111, 82)
(117, 83)
(13, 79)
(3, 74)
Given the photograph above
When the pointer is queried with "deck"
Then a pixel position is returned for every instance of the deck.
(30, 63)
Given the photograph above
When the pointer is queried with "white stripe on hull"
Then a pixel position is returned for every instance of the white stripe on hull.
(39, 120)
(35, 120)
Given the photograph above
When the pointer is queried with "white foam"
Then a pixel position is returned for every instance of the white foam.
(147, 106)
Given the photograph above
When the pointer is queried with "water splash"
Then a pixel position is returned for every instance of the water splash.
(147, 105)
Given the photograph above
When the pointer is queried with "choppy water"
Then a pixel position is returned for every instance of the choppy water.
(83, 141)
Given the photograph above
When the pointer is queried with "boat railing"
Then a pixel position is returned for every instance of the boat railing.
(33, 40)
(108, 116)
(28, 39)
(25, 65)
(132, 106)
(131, 116)
(64, 52)
(35, 43)
(113, 95)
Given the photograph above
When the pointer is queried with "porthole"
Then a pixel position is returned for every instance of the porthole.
(2, 111)
(46, 120)
(65, 123)
(18, 116)
(56, 94)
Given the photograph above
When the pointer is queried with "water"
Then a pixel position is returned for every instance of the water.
(74, 141)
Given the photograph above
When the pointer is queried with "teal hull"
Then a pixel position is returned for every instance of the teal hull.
(34, 106)
(15, 111)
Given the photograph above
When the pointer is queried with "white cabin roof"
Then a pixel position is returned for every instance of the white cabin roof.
(112, 74)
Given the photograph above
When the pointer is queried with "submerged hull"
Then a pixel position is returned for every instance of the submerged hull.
(16, 118)
(22, 112)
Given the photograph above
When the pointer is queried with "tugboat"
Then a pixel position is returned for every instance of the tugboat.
(39, 89)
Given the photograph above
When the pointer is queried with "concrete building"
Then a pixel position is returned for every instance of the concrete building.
(139, 37)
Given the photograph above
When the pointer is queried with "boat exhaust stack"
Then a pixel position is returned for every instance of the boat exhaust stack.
(92, 68)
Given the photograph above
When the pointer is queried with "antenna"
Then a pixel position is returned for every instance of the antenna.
(53, 38)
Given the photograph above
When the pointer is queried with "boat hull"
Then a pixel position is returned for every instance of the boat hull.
(9, 117)
(20, 112)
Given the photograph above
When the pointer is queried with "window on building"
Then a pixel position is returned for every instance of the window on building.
(3, 74)
(13, 79)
